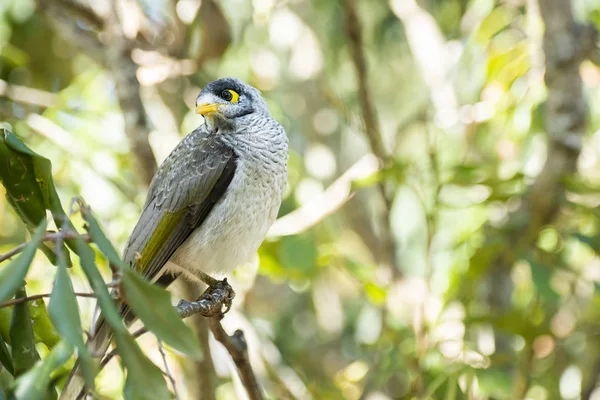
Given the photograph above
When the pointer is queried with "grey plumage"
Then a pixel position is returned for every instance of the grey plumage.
(212, 200)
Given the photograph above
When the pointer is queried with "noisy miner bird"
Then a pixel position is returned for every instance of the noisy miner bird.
(211, 201)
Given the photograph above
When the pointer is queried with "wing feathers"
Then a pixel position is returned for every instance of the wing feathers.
(182, 194)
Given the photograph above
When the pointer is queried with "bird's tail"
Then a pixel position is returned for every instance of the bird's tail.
(98, 345)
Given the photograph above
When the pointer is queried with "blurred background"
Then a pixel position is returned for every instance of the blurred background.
(439, 234)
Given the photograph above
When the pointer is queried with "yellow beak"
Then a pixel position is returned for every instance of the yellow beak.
(206, 109)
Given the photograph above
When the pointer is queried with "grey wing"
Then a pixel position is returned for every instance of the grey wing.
(182, 194)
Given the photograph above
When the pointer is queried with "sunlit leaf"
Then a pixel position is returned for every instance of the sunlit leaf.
(22, 341)
(64, 312)
(152, 304)
(376, 294)
(35, 384)
(496, 382)
(12, 277)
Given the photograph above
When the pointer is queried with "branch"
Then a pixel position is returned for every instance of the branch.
(565, 45)
(113, 53)
(238, 350)
(81, 11)
(24, 94)
(372, 129)
(331, 200)
(211, 305)
(123, 70)
(353, 30)
(20, 300)
(161, 350)
(49, 237)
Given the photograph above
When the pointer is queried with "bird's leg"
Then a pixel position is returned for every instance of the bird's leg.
(214, 285)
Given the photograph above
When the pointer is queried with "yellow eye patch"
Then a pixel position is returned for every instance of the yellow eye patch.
(231, 96)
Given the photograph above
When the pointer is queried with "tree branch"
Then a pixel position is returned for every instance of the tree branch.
(565, 45)
(238, 350)
(211, 304)
(20, 300)
(372, 129)
(49, 237)
(161, 350)
(24, 94)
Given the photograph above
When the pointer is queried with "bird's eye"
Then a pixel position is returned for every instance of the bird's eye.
(230, 95)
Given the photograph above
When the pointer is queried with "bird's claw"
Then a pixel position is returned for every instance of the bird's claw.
(221, 293)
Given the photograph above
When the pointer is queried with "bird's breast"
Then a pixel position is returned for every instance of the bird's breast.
(239, 221)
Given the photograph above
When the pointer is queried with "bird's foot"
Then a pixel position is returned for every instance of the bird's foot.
(222, 291)
(218, 295)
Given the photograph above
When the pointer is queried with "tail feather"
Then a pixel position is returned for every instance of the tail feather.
(98, 345)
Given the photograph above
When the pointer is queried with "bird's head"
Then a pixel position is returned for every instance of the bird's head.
(225, 100)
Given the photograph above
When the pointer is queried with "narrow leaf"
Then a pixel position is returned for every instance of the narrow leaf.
(12, 277)
(152, 304)
(21, 337)
(43, 329)
(64, 313)
(144, 379)
(35, 383)
(30, 189)
(6, 358)
(88, 264)
(99, 237)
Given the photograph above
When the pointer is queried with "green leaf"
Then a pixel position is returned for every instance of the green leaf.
(298, 253)
(87, 258)
(592, 241)
(152, 304)
(64, 313)
(375, 293)
(35, 384)
(43, 329)
(100, 238)
(30, 190)
(541, 276)
(12, 277)
(5, 316)
(21, 337)
(5, 358)
(6, 381)
(18, 177)
(144, 379)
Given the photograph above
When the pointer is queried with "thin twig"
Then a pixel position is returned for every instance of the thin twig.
(20, 300)
(49, 237)
(237, 347)
(210, 305)
(161, 349)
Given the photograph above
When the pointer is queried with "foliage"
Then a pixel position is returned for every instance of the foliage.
(144, 379)
(477, 295)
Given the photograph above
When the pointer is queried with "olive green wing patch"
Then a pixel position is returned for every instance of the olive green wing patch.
(184, 191)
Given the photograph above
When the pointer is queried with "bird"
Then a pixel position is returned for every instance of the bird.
(211, 201)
